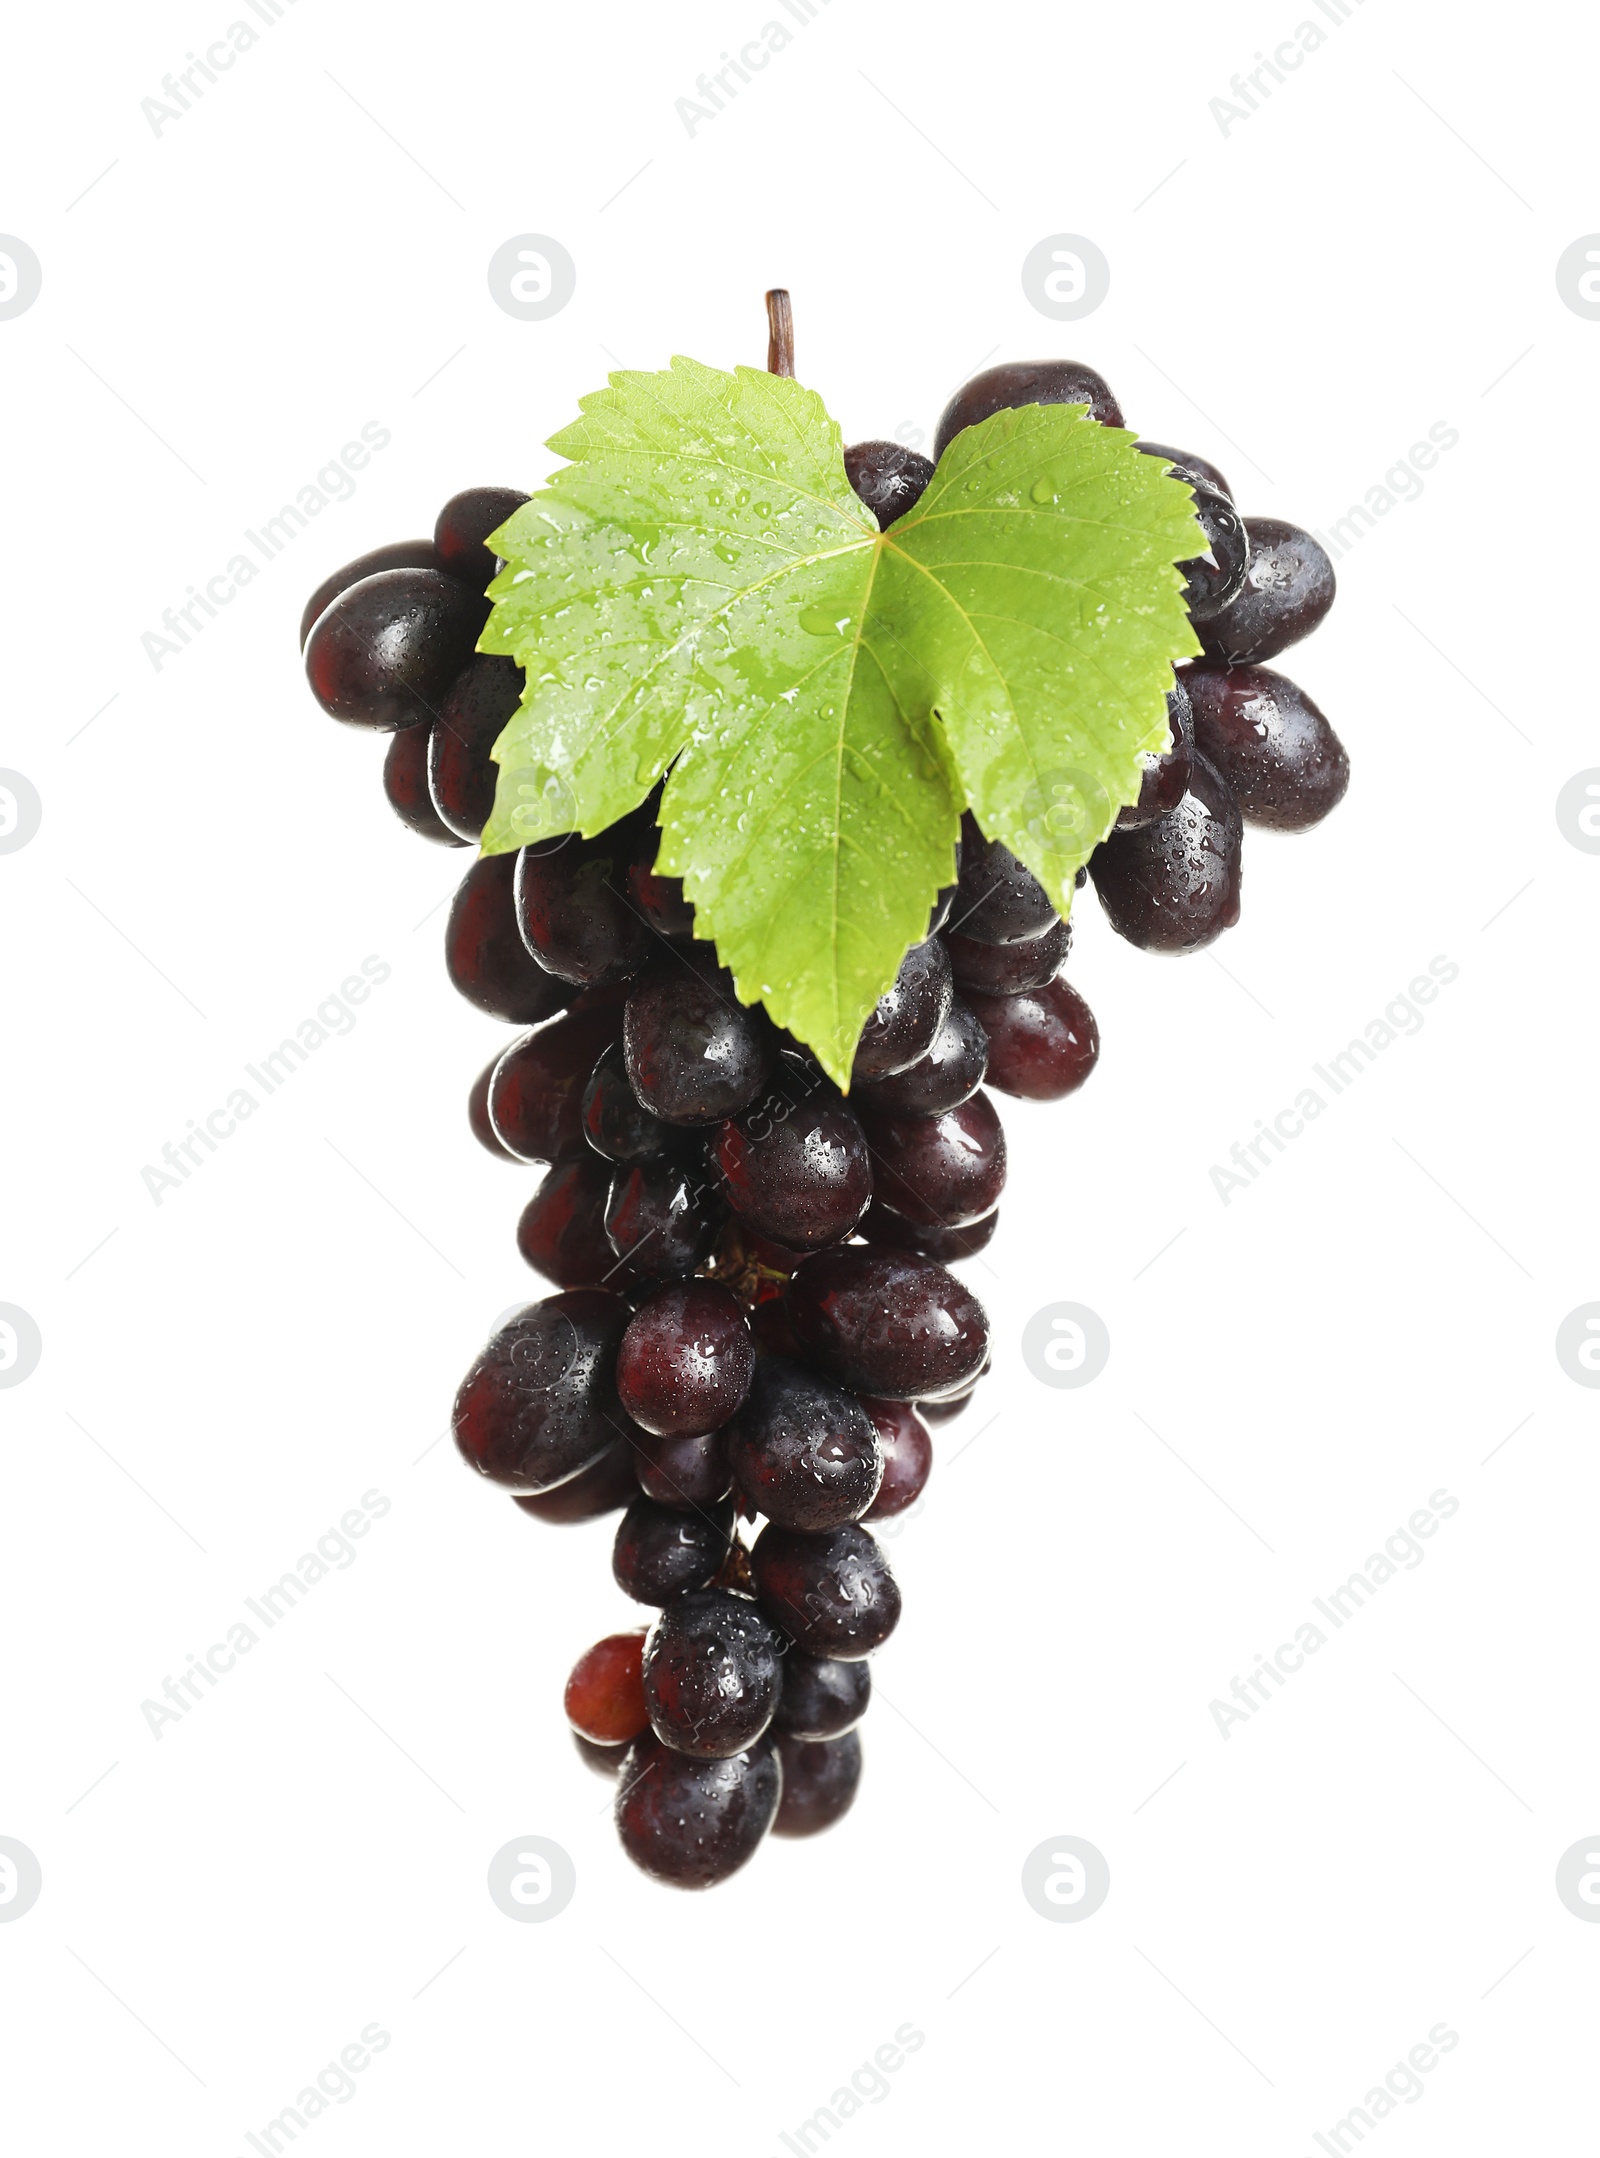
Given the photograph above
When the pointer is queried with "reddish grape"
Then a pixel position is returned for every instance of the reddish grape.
(904, 1023)
(881, 1323)
(562, 1232)
(484, 954)
(946, 1076)
(1174, 886)
(998, 900)
(833, 1594)
(1025, 382)
(662, 1550)
(796, 1172)
(1186, 462)
(686, 1359)
(712, 1669)
(604, 1699)
(1041, 1046)
(604, 1487)
(693, 1823)
(886, 1228)
(1286, 766)
(574, 909)
(405, 782)
(539, 1404)
(820, 1778)
(907, 1449)
(664, 1215)
(695, 1053)
(388, 648)
(684, 1472)
(888, 477)
(536, 1094)
(823, 1697)
(1007, 970)
(1288, 588)
(473, 716)
(478, 1114)
(399, 554)
(804, 1453)
(941, 1172)
(463, 525)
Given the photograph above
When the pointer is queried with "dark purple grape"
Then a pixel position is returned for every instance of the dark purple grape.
(939, 913)
(695, 1053)
(683, 1472)
(686, 1359)
(820, 1778)
(575, 912)
(892, 1232)
(399, 554)
(907, 1449)
(604, 1760)
(664, 1215)
(388, 648)
(1200, 468)
(822, 1696)
(478, 1114)
(405, 782)
(1213, 580)
(476, 709)
(660, 1551)
(1288, 588)
(1041, 1046)
(998, 901)
(484, 954)
(1007, 970)
(1174, 886)
(940, 1172)
(1166, 772)
(804, 1453)
(660, 900)
(883, 1324)
(539, 1403)
(950, 1072)
(604, 1487)
(614, 1123)
(536, 1094)
(693, 1823)
(797, 1171)
(465, 523)
(904, 1023)
(713, 1666)
(833, 1594)
(1025, 382)
(562, 1233)
(1284, 764)
(888, 477)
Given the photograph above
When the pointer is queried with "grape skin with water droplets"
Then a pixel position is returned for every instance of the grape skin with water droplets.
(804, 1453)
(693, 1823)
(713, 1666)
(820, 1780)
(662, 1550)
(880, 1323)
(686, 1361)
(1174, 887)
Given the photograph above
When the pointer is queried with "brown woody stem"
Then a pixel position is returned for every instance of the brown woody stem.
(780, 333)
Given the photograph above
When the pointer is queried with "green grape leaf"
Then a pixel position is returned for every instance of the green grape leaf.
(698, 592)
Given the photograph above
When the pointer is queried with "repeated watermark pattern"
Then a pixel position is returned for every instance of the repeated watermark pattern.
(1578, 1345)
(21, 276)
(1250, 89)
(1402, 2085)
(334, 1552)
(1066, 276)
(1065, 1879)
(532, 1879)
(1402, 1552)
(21, 812)
(1066, 1345)
(183, 88)
(205, 1136)
(716, 89)
(21, 1345)
(334, 2085)
(1403, 482)
(21, 1880)
(868, 2085)
(334, 482)
(1401, 1018)
(532, 276)
(1577, 276)
(1577, 811)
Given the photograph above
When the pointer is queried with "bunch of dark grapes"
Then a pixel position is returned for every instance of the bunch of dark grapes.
(753, 1324)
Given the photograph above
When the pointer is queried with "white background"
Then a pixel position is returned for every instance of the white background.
(223, 1375)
